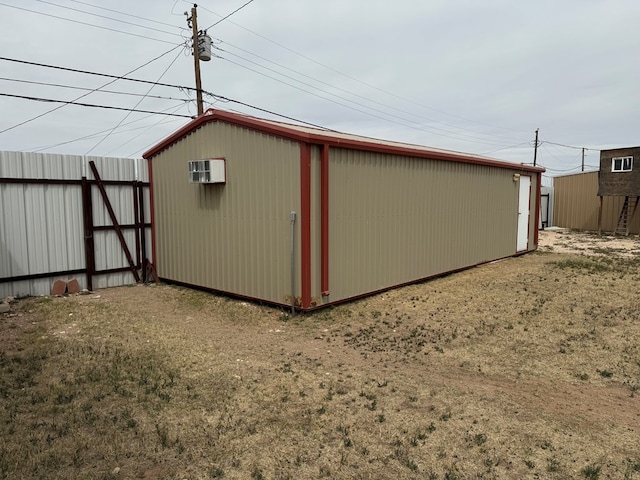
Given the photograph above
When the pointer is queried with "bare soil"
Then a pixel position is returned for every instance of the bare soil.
(527, 367)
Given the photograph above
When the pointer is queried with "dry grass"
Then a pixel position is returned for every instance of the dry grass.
(524, 368)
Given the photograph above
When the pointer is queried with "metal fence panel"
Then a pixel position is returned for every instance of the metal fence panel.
(41, 221)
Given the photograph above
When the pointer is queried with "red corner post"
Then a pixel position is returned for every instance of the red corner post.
(324, 221)
(538, 201)
(153, 215)
(305, 223)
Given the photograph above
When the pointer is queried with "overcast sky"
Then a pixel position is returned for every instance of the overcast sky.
(464, 75)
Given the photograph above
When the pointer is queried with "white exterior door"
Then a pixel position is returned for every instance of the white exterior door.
(523, 213)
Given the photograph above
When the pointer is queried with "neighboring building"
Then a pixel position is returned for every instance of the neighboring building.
(312, 217)
(576, 204)
(619, 178)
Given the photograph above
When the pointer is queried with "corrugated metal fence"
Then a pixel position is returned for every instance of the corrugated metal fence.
(576, 204)
(55, 223)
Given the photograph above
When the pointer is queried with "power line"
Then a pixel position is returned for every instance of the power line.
(507, 148)
(72, 87)
(117, 77)
(566, 146)
(134, 107)
(146, 147)
(368, 99)
(87, 24)
(226, 99)
(107, 18)
(72, 102)
(428, 128)
(224, 18)
(358, 80)
(127, 14)
(180, 87)
(96, 134)
(81, 96)
(407, 125)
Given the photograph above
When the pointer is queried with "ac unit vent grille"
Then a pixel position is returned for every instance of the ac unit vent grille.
(207, 171)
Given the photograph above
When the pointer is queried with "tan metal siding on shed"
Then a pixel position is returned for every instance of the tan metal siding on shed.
(576, 204)
(233, 237)
(395, 219)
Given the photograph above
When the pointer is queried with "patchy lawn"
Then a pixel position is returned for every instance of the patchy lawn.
(523, 368)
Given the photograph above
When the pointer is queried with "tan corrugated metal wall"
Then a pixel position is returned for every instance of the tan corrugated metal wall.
(233, 237)
(395, 219)
(576, 204)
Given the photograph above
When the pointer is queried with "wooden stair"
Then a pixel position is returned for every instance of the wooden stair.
(626, 215)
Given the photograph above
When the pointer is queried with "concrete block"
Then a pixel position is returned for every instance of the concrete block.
(59, 288)
(4, 307)
(73, 286)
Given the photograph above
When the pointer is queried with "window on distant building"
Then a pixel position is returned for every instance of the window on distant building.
(621, 164)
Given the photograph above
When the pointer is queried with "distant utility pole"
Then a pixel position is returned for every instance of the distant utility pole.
(535, 149)
(193, 19)
(583, 159)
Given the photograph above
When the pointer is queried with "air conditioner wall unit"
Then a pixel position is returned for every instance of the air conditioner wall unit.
(212, 170)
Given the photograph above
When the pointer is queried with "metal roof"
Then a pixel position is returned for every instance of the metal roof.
(314, 135)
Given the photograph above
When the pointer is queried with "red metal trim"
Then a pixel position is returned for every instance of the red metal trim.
(344, 300)
(324, 220)
(143, 226)
(538, 203)
(153, 214)
(319, 136)
(411, 282)
(136, 219)
(526, 249)
(305, 223)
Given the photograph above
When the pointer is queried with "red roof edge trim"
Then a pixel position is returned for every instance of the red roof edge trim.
(326, 137)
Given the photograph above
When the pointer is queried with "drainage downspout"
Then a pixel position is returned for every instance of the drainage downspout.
(293, 263)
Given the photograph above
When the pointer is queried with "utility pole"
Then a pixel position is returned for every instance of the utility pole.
(196, 56)
(583, 159)
(535, 149)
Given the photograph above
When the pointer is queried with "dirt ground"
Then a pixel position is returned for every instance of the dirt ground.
(527, 367)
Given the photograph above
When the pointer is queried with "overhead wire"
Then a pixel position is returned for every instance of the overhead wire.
(135, 106)
(180, 87)
(96, 134)
(230, 14)
(399, 97)
(149, 127)
(106, 75)
(366, 98)
(115, 77)
(105, 17)
(87, 24)
(508, 148)
(80, 104)
(374, 115)
(127, 14)
(72, 87)
(566, 146)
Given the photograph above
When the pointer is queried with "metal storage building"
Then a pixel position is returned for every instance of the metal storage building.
(311, 217)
